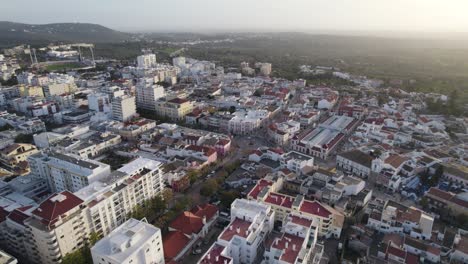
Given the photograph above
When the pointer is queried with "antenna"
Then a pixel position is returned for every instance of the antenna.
(35, 57)
(92, 55)
(30, 55)
(80, 58)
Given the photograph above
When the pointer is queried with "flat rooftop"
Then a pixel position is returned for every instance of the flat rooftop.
(123, 241)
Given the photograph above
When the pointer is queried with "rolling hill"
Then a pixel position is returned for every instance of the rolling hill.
(17, 33)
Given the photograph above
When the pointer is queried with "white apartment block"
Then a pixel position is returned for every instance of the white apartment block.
(147, 94)
(123, 108)
(146, 61)
(110, 201)
(99, 102)
(246, 123)
(61, 224)
(67, 171)
(135, 242)
(242, 240)
(295, 244)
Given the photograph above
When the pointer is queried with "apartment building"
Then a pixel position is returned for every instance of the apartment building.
(110, 200)
(147, 94)
(356, 162)
(135, 241)
(124, 108)
(174, 109)
(62, 223)
(16, 153)
(146, 61)
(397, 218)
(295, 243)
(329, 221)
(99, 102)
(244, 123)
(242, 240)
(66, 171)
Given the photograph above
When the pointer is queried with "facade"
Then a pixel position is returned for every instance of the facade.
(295, 244)
(134, 241)
(67, 171)
(99, 102)
(251, 223)
(323, 140)
(146, 61)
(123, 108)
(397, 218)
(147, 94)
(174, 109)
(15, 153)
(329, 221)
(110, 200)
(442, 200)
(356, 162)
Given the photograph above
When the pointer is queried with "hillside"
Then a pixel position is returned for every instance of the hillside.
(16, 33)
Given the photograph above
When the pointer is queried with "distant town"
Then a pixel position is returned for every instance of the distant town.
(108, 162)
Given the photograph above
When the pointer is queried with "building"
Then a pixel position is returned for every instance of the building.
(251, 223)
(355, 162)
(323, 140)
(148, 94)
(244, 123)
(99, 102)
(134, 241)
(295, 243)
(123, 108)
(146, 61)
(397, 218)
(52, 230)
(329, 221)
(15, 154)
(66, 171)
(175, 109)
(188, 229)
(111, 199)
(7, 259)
(440, 200)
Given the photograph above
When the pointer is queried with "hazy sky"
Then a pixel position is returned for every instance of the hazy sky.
(241, 15)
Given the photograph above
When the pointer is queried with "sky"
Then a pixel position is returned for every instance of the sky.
(247, 15)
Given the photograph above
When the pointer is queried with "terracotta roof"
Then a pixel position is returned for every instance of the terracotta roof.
(207, 210)
(395, 160)
(237, 227)
(173, 243)
(314, 208)
(188, 223)
(441, 194)
(56, 205)
(261, 184)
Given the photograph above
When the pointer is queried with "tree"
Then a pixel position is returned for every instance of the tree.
(209, 188)
(167, 194)
(6, 127)
(232, 109)
(24, 138)
(424, 203)
(193, 175)
(227, 197)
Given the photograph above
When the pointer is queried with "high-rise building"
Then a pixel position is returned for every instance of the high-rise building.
(64, 222)
(99, 102)
(66, 171)
(148, 93)
(146, 61)
(134, 241)
(123, 108)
